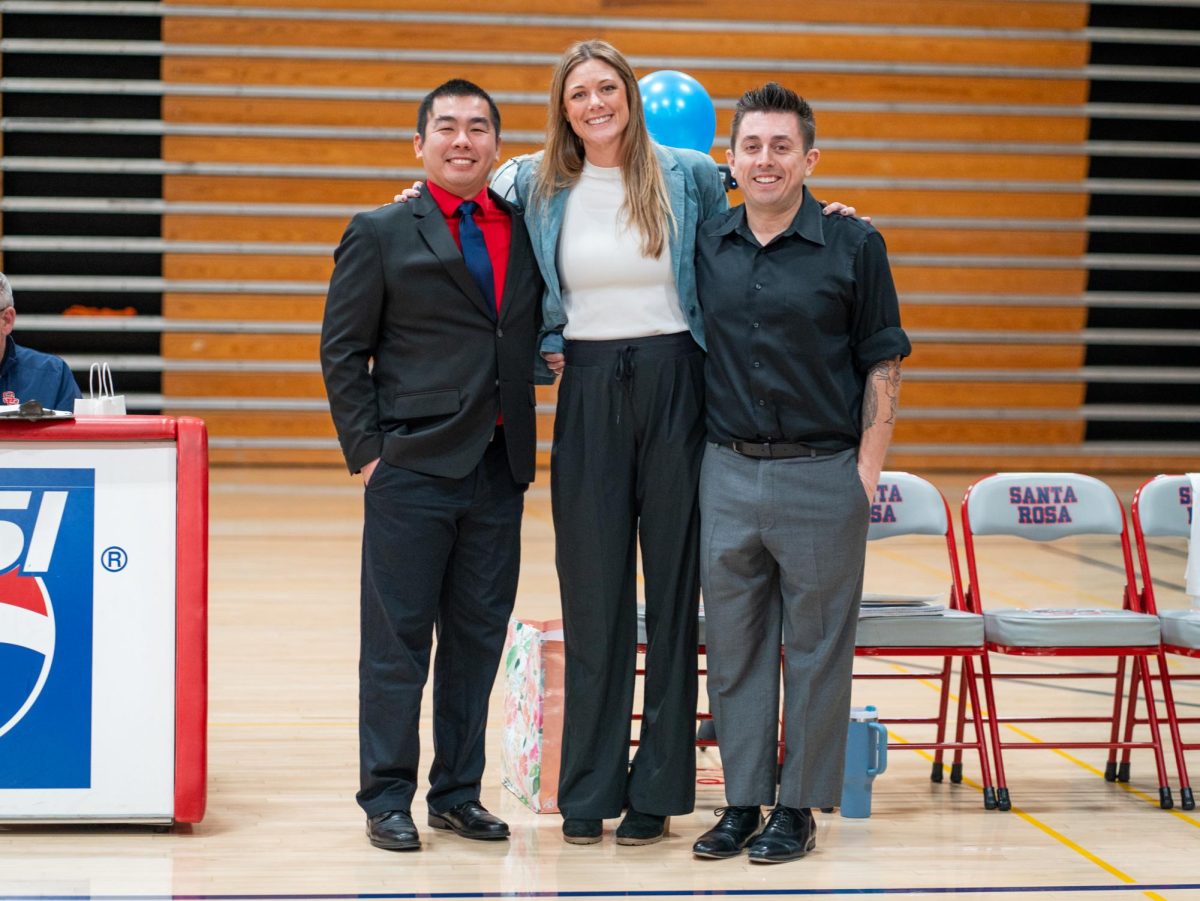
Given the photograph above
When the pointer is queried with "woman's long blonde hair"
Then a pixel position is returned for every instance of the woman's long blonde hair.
(647, 207)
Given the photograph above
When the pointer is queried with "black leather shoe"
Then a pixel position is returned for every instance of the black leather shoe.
(642, 828)
(470, 820)
(738, 825)
(582, 832)
(790, 833)
(393, 830)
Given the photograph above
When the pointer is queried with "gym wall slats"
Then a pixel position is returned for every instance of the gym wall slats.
(970, 131)
(1166, 278)
(45, 169)
(868, 13)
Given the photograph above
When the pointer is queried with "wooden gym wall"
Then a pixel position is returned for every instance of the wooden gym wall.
(176, 176)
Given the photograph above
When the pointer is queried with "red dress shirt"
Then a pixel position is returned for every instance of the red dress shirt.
(496, 226)
(492, 220)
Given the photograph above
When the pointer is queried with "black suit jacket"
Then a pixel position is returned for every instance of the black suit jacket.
(416, 365)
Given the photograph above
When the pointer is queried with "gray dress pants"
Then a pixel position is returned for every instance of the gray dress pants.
(628, 438)
(781, 561)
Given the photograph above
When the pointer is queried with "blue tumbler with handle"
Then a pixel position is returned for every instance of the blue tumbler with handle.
(866, 758)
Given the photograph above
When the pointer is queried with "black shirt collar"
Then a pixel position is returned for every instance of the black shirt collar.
(806, 224)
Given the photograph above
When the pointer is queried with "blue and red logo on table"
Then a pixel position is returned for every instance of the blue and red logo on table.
(46, 553)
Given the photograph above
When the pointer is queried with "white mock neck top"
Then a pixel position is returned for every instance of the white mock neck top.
(610, 290)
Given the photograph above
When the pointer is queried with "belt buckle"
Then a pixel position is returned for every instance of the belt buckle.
(766, 447)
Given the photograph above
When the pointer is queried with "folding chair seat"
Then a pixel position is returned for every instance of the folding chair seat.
(1180, 631)
(1044, 508)
(908, 505)
(1163, 508)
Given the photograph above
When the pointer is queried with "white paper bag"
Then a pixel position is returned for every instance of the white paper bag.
(102, 400)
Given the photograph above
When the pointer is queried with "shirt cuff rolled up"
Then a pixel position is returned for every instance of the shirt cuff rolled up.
(885, 344)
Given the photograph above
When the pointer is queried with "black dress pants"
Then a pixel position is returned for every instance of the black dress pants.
(440, 554)
(628, 440)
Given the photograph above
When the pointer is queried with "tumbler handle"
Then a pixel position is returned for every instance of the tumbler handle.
(881, 743)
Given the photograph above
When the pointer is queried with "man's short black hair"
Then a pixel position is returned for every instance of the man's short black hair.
(456, 87)
(775, 98)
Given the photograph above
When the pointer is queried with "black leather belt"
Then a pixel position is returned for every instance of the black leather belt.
(775, 450)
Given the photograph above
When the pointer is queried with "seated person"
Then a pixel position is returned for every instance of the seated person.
(29, 374)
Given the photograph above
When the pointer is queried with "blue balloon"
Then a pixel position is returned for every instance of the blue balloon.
(679, 112)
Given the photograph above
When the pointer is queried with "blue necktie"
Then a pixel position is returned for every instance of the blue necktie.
(475, 254)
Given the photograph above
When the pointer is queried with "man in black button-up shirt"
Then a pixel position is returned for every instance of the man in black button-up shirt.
(802, 382)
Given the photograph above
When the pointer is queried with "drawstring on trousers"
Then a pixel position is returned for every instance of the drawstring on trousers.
(624, 374)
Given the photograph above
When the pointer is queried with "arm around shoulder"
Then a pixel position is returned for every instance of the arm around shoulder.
(710, 184)
(712, 187)
(512, 179)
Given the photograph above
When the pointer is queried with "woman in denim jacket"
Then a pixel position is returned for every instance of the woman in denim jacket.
(613, 219)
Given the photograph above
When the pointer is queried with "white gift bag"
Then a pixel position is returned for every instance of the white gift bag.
(102, 399)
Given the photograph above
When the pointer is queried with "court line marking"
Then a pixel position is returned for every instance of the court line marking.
(1033, 821)
(1048, 830)
(1087, 560)
(1153, 801)
(1174, 811)
(632, 893)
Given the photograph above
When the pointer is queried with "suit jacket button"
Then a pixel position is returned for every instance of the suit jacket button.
(499, 333)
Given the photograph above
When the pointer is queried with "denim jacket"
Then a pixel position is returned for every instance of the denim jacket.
(696, 192)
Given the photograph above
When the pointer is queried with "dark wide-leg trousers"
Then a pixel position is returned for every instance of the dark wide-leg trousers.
(438, 554)
(628, 440)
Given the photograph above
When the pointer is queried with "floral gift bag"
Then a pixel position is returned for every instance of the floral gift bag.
(533, 708)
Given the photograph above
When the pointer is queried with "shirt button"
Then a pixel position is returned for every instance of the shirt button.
(762, 403)
(757, 364)
(755, 324)
(757, 286)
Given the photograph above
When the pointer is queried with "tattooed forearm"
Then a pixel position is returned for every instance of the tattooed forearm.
(891, 387)
(882, 380)
(870, 404)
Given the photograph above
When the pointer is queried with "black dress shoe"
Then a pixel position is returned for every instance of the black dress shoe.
(642, 828)
(738, 825)
(789, 834)
(578, 831)
(393, 830)
(470, 820)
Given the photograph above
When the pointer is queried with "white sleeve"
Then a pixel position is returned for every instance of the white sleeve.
(504, 180)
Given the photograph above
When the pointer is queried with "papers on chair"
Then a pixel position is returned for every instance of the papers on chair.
(874, 604)
(1075, 612)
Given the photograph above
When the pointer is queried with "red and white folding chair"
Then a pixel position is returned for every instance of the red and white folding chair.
(908, 505)
(1163, 508)
(1048, 507)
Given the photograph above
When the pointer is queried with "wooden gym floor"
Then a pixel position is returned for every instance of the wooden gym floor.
(282, 822)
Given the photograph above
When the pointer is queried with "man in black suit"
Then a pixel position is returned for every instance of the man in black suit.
(428, 350)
